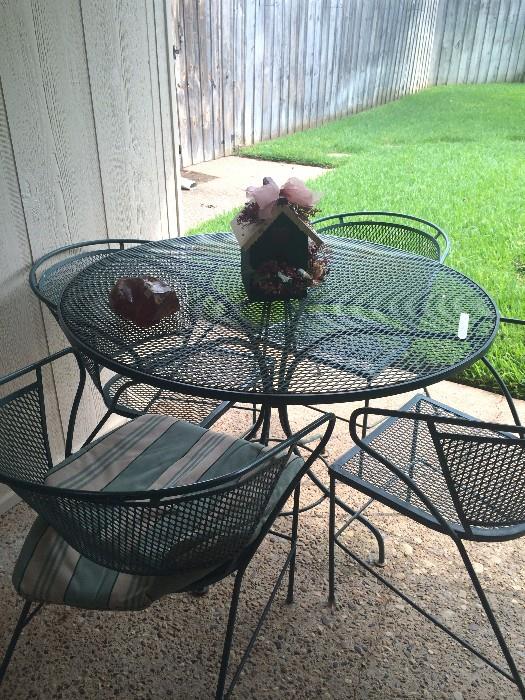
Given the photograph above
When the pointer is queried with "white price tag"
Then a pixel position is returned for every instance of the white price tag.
(463, 326)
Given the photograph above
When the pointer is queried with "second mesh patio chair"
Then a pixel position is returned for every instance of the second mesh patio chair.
(125, 397)
(447, 471)
(402, 231)
(157, 506)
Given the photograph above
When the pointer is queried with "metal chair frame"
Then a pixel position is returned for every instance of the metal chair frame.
(30, 485)
(434, 519)
(112, 403)
(398, 222)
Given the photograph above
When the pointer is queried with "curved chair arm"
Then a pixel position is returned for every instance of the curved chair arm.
(430, 420)
(33, 281)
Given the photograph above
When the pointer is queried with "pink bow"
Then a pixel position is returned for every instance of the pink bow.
(294, 190)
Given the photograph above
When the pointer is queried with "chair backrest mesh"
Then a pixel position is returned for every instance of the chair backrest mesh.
(486, 475)
(162, 536)
(394, 235)
(60, 270)
(23, 442)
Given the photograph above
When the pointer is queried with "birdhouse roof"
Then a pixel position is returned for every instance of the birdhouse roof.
(248, 233)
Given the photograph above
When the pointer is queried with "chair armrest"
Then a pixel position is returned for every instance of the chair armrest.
(431, 421)
(396, 471)
(516, 321)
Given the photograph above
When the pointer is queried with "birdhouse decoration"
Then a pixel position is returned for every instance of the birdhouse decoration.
(281, 254)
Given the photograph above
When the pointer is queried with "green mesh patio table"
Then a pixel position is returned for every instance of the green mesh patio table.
(383, 322)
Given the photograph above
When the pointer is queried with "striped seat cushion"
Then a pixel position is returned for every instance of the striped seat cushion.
(150, 452)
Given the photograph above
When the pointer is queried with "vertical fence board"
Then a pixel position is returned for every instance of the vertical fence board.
(400, 48)
(394, 49)
(181, 77)
(239, 71)
(227, 55)
(408, 61)
(250, 69)
(477, 49)
(267, 62)
(166, 23)
(518, 45)
(309, 63)
(203, 49)
(499, 31)
(488, 41)
(341, 84)
(295, 26)
(384, 36)
(194, 88)
(370, 66)
(286, 103)
(276, 59)
(158, 143)
(520, 63)
(427, 44)
(326, 62)
(258, 88)
(468, 40)
(511, 26)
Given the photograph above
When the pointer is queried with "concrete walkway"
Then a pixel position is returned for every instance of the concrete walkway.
(221, 184)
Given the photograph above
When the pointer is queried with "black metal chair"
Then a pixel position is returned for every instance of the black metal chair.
(448, 471)
(403, 231)
(125, 397)
(158, 506)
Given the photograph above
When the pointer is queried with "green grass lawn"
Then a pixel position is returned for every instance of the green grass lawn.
(454, 155)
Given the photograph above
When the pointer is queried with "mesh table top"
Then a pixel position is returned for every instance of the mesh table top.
(382, 322)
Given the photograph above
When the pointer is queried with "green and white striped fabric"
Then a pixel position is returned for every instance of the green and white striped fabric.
(150, 452)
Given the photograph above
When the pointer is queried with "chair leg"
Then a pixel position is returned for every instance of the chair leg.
(331, 544)
(22, 621)
(491, 618)
(295, 525)
(365, 420)
(219, 693)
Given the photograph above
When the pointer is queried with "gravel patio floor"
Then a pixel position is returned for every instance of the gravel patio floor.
(371, 646)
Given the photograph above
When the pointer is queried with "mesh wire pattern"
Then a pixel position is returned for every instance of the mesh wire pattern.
(487, 474)
(411, 234)
(146, 533)
(53, 280)
(162, 536)
(50, 276)
(23, 439)
(376, 304)
(486, 488)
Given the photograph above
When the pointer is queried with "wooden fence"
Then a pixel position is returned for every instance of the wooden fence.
(250, 70)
